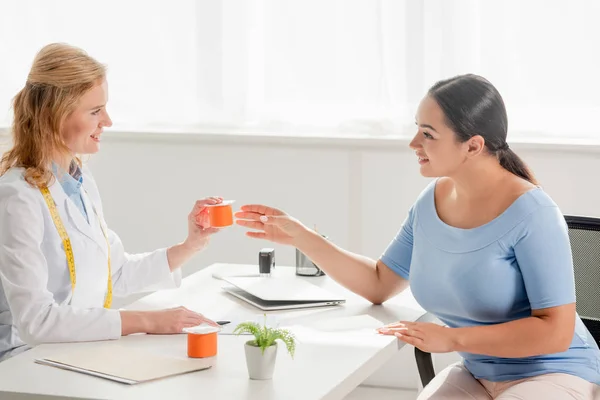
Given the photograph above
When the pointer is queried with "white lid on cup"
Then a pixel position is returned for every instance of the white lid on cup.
(203, 329)
(223, 203)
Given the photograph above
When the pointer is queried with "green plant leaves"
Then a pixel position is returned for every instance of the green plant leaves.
(266, 336)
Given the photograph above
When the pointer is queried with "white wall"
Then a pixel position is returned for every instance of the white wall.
(355, 191)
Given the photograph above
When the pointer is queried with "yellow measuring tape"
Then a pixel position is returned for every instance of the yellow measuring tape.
(69, 249)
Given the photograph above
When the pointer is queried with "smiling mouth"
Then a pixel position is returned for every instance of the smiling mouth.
(422, 160)
(95, 137)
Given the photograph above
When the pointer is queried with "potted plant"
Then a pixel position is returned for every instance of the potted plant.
(261, 352)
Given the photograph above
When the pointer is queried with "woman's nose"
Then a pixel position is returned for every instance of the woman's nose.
(415, 143)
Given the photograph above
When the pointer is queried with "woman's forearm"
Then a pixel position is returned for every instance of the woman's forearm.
(355, 272)
(178, 254)
(134, 322)
(524, 337)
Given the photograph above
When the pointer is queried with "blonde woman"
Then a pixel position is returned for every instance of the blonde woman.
(60, 265)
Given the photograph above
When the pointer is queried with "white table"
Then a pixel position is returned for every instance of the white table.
(327, 365)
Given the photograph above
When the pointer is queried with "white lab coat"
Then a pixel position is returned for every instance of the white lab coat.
(36, 302)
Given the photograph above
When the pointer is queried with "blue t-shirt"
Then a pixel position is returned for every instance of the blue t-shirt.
(495, 273)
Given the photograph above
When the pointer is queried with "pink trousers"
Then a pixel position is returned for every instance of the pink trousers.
(456, 382)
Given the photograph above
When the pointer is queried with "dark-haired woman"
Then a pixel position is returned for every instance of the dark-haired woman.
(483, 248)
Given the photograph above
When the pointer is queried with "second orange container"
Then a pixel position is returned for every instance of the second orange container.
(202, 341)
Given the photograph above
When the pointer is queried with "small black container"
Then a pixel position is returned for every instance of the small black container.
(266, 262)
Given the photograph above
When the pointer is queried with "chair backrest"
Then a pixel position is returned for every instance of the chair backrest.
(584, 234)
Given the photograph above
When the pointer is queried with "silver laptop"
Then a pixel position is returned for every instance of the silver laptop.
(281, 293)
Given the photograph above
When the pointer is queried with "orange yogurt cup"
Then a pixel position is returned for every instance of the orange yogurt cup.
(221, 215)
(202, 341)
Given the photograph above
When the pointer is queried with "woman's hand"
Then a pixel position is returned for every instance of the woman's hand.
(199, 229)
(199, 232)
(171, 320)
(272, 224)
(429, 337)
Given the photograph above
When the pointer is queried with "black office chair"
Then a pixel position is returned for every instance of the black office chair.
(584, 234)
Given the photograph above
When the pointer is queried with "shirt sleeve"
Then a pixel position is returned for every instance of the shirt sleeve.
(143, 272)
(543, 254)
(398, 254)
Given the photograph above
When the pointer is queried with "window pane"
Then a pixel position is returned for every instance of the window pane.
(149, 47)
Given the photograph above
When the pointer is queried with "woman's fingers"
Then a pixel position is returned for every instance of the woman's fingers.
(401, 327)
(202, 219)
(195, 319)
(261, 209)
(211, 322)
(417, 342)
(391, 331)
(200, 205)
(255, 208)
(251, 224)
(257, 235)
(248, 215)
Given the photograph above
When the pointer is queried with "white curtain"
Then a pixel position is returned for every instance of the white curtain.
(336, 67)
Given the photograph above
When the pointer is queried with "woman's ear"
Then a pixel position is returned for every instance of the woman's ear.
(476, 145)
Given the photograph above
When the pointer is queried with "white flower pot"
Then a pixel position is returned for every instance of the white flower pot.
(260, 366)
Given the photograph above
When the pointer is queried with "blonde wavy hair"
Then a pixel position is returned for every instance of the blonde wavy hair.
(60, 75)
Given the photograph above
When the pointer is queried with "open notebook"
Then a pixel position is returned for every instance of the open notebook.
(123, 364)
